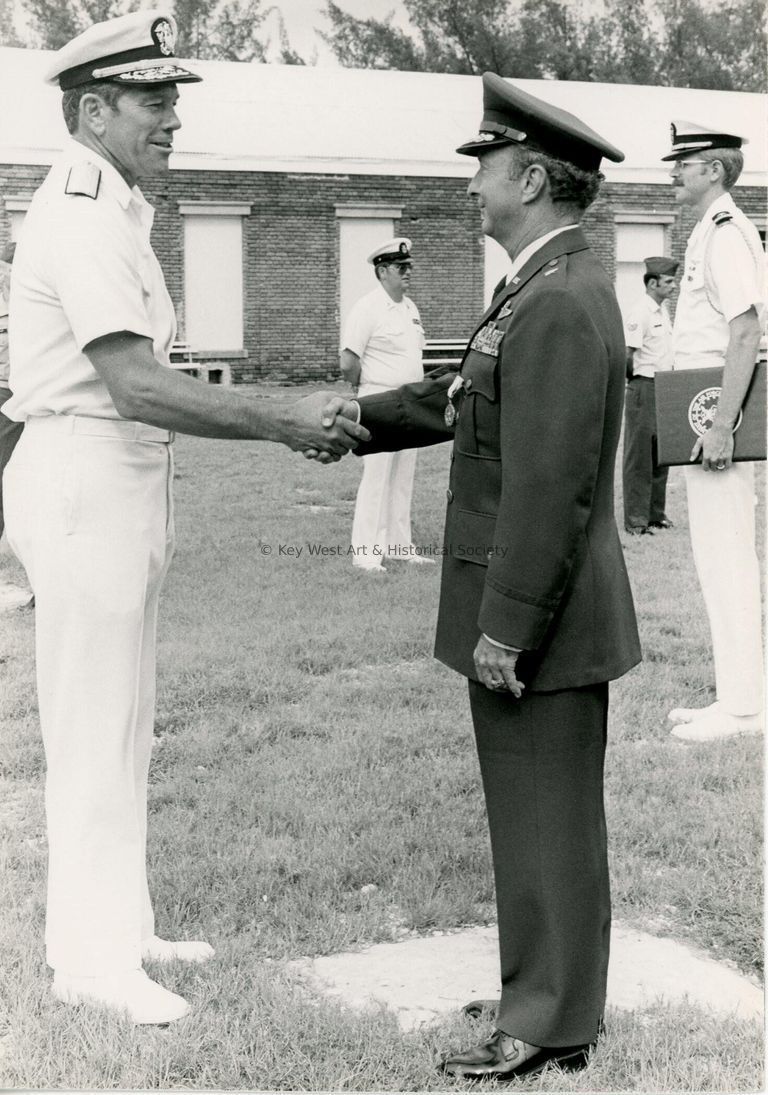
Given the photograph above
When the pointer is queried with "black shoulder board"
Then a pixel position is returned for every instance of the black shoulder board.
(84, 179)
(722, 218)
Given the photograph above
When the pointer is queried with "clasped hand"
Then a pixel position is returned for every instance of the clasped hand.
(324, 427)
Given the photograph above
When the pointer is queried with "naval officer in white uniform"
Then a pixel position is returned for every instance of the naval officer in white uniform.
(88, 495)
(718, 323)
(381, 348)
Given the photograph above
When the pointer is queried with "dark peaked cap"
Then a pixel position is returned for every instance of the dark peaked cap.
(512, 116)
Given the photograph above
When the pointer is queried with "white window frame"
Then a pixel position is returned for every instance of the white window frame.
(238, 210)
(350, 287)
(663, 220)
(16, 206)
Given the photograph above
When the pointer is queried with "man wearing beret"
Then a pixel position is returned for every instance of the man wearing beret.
(649, 350)
(88, 495)
(535, 605)
(718, 322)
(381, 348)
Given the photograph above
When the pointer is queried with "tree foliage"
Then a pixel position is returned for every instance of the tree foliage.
(680, 43)
(224, 30)
(53, 23)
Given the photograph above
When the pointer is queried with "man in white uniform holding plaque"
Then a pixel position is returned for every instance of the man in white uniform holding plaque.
(718, 323)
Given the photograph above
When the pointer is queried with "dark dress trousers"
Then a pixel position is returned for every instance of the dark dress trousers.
(644, 482)
(533, 560)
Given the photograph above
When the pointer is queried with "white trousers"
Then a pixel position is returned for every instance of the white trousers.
(90, 515)
(382, 520)
(721, 513)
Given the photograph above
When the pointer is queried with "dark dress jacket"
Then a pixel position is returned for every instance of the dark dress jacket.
(532, 553)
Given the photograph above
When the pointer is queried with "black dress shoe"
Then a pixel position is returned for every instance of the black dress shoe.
(505, 1058)
(639, 530)
(663, 523)
(476, 1008)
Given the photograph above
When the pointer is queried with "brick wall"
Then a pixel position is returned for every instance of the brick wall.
(290, 251)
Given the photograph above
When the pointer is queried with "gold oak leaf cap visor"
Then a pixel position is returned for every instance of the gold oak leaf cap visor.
(512, 116)
(135, 49)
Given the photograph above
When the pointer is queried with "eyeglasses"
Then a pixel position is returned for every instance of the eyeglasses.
(685, 163)
(402, 268)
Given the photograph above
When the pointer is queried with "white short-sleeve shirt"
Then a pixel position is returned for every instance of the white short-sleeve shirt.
(83, 268)
(5, 293)
(724, 277)
(648, 331)
(387, 337)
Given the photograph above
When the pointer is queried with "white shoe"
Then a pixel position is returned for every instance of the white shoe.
(410, 555)
(133, 992)
(165, 950)
(717, 724)
(377, 568)
(688, 714)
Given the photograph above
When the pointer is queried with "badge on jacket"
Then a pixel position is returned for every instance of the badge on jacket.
(488, 340)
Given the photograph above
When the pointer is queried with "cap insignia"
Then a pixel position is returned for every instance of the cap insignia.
(149, 75)
(162, 34)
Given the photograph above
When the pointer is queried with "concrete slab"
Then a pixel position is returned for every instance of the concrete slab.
(424, 979)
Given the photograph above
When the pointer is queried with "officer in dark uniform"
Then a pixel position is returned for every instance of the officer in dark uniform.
(535, 606)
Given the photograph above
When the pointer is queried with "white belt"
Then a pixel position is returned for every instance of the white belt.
(100, 427)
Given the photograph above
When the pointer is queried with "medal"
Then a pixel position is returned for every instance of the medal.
(451, 414)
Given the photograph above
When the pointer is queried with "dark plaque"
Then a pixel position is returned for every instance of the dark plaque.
(686, 401)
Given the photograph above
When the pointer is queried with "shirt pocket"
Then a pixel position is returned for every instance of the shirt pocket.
(693, 278)
(391, 338)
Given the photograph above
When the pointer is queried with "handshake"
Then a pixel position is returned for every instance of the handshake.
(323, 427)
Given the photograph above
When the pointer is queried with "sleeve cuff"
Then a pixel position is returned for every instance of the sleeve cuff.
(502, 646)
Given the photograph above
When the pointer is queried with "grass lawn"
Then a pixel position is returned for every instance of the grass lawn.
(308, 746)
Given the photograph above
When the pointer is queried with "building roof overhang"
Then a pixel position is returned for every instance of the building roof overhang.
(309, 120)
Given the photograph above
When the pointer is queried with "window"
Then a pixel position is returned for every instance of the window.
(16, 207)
(213, 275)
(760, 226)
(362, 228)
(638, 237)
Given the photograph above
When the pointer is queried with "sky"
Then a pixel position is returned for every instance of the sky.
(303, 18)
